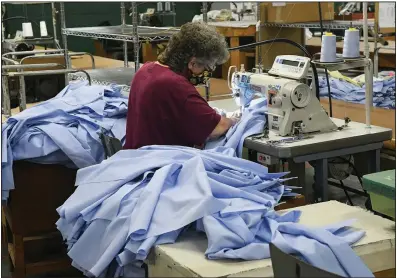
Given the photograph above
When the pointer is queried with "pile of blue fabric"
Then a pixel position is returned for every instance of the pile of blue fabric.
(63, 130)
(140, 198)
(252, 122)
(384, 91)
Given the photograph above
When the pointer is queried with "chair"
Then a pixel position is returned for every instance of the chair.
(288, 266)
(111, 145)
(32, 240)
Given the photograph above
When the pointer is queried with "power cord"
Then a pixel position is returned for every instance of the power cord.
(21, 17)
(347, 194)
(326, 71)
(368, 204)
(283, 40)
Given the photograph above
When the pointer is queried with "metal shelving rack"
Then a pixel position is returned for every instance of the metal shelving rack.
(172, 13)
(14, 67)
(47, 40)
(124, 32)
(120, 33)
(334, 24)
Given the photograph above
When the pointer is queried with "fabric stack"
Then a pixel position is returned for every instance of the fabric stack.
(141, 198)
(384, 90)
(137, 199)
(63, 130)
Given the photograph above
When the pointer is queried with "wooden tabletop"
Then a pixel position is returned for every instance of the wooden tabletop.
(84, 62)
(16, 111)
(376, 248)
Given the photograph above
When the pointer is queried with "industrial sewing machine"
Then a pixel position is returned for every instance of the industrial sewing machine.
(293, 108)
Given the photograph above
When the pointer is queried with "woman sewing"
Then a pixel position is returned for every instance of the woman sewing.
(164, 107)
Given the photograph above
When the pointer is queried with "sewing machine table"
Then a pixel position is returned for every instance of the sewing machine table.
(354, 139)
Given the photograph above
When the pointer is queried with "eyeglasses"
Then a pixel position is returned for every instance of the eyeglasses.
(210, 67)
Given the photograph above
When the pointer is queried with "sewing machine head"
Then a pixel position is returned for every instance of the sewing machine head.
(292, 105)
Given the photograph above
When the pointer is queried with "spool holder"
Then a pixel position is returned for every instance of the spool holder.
(366, 63)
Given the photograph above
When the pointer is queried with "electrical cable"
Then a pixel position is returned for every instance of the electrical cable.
(283, 40)
(368, 203)
(326, 71)
(347, 195)
(355, 171)
(254, 44)
(21, 17)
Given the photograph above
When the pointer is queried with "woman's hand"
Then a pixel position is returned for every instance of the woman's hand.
(236, 114)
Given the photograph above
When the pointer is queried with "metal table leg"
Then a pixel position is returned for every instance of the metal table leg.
(22, 94)
(321, 180)
(374, 161)
(6, 97)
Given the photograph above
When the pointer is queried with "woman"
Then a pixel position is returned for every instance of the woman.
(164, 107)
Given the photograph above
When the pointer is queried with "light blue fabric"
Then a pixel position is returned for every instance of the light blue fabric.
(140, 198)
(63, 130)
(252, 122)
(384, 92)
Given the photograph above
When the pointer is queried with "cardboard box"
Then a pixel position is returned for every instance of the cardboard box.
(295, 12)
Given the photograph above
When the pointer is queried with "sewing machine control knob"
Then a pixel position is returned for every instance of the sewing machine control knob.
(275, 101)
(301, 96)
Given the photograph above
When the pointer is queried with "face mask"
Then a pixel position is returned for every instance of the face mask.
(201, 79)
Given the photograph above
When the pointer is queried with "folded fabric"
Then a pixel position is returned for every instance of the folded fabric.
(140, 198)
(384, 90)
(63, 130)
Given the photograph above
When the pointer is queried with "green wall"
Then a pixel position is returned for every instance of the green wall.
(81, 14)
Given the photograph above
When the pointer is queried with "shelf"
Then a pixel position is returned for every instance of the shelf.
(110, 76)
(34, 41)
(343, 65)
(107, 77)
(121, 33)
(335, 24)
(28, 2)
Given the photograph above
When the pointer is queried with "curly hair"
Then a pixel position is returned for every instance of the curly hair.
(197, 40)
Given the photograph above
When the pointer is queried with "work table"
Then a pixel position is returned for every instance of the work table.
(186, 257)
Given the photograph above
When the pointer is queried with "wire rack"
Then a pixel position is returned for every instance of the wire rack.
(334, 24)
(121, 77)
(121, 33)
(112, 76)
(28, 2)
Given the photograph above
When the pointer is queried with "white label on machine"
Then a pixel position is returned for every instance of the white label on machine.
(257, 89)
(274, 126)
(290, 66)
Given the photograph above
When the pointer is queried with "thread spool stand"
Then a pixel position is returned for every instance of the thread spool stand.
(346, 64)
(167, 10)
